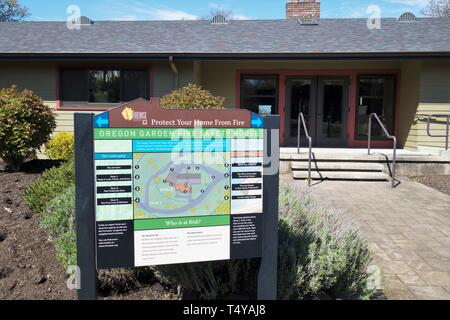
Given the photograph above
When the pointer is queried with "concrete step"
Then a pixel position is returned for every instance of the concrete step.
(376, 157)
(341, 175)
(338, 166)
(324, 157)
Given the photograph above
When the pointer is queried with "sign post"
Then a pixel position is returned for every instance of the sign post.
(267, 277)
(85, 214)
(158, 187)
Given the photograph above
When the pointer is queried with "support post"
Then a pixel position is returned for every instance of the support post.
(299, 133)
(447, 132)
(85, 210)
(267, 277)
(369, 135)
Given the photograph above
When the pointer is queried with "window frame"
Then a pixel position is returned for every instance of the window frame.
(62, 104)
(358, 137)
(275, 76)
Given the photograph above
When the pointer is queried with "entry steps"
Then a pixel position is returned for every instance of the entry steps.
(358, 171)
(346, 157)
(356, 164)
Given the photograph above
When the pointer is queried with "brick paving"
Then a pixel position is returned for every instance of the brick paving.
(408, 230)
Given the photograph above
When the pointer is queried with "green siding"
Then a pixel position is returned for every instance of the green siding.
(165, 79)
(409, 102)
(435, 82)
(38, 77)
(425, 87)
(434, 99)
(438, 126)
(41, 78)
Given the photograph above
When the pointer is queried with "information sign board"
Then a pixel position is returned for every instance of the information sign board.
(177, 188)
(157, 186)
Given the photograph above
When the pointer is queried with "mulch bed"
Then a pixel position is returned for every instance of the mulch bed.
(28, 266)
(439, 183)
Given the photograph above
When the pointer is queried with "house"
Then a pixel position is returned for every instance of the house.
(335, 71)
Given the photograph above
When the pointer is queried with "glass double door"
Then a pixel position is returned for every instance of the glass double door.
(323, 101)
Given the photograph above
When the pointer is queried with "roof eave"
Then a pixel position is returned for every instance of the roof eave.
(227, 56)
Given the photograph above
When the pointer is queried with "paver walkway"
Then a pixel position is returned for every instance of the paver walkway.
(408, 230)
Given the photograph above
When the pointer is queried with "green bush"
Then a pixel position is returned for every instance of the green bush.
(66, 249)
(61, 146)
(26, 123)
(192, 97)
(58, 217)
(321, 254)
(52, 183)
(330, 258)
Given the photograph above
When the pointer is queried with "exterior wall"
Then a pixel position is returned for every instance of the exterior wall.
(221, 78)
(42, 79)
(424, 86)
(38, 77)
(164, 80)
(409, 103)
(197, 72)
(434, 99)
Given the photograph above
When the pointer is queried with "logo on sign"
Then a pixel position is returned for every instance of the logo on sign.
(130, 115)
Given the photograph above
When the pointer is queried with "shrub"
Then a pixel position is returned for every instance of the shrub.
(52, 183)
(192, 97)
(330, 257)
(25, 125)
(58, 217)
(66, 249)
(61, 146)
(321, 254)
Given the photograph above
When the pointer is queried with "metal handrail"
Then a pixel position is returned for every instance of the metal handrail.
(447, 130)
(301, 121)
(394, 158)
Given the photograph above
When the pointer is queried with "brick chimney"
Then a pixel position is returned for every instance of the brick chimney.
(302, 9)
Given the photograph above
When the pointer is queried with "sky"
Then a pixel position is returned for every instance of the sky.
(194, 9)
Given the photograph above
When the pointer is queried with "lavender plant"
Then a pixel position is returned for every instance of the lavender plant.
(321, 255)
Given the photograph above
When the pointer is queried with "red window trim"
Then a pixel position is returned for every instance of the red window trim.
(351, 73)
(58, 68)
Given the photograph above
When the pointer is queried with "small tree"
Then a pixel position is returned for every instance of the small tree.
(192, 97)
(438, 8)
(26, 123)
(12, 10)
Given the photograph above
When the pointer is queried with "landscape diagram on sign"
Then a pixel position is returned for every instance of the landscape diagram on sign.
(188, 186)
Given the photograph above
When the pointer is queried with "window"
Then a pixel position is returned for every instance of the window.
(104, 86)
(259, 93)
(74, 85)
(135, 85)
(376, 94)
